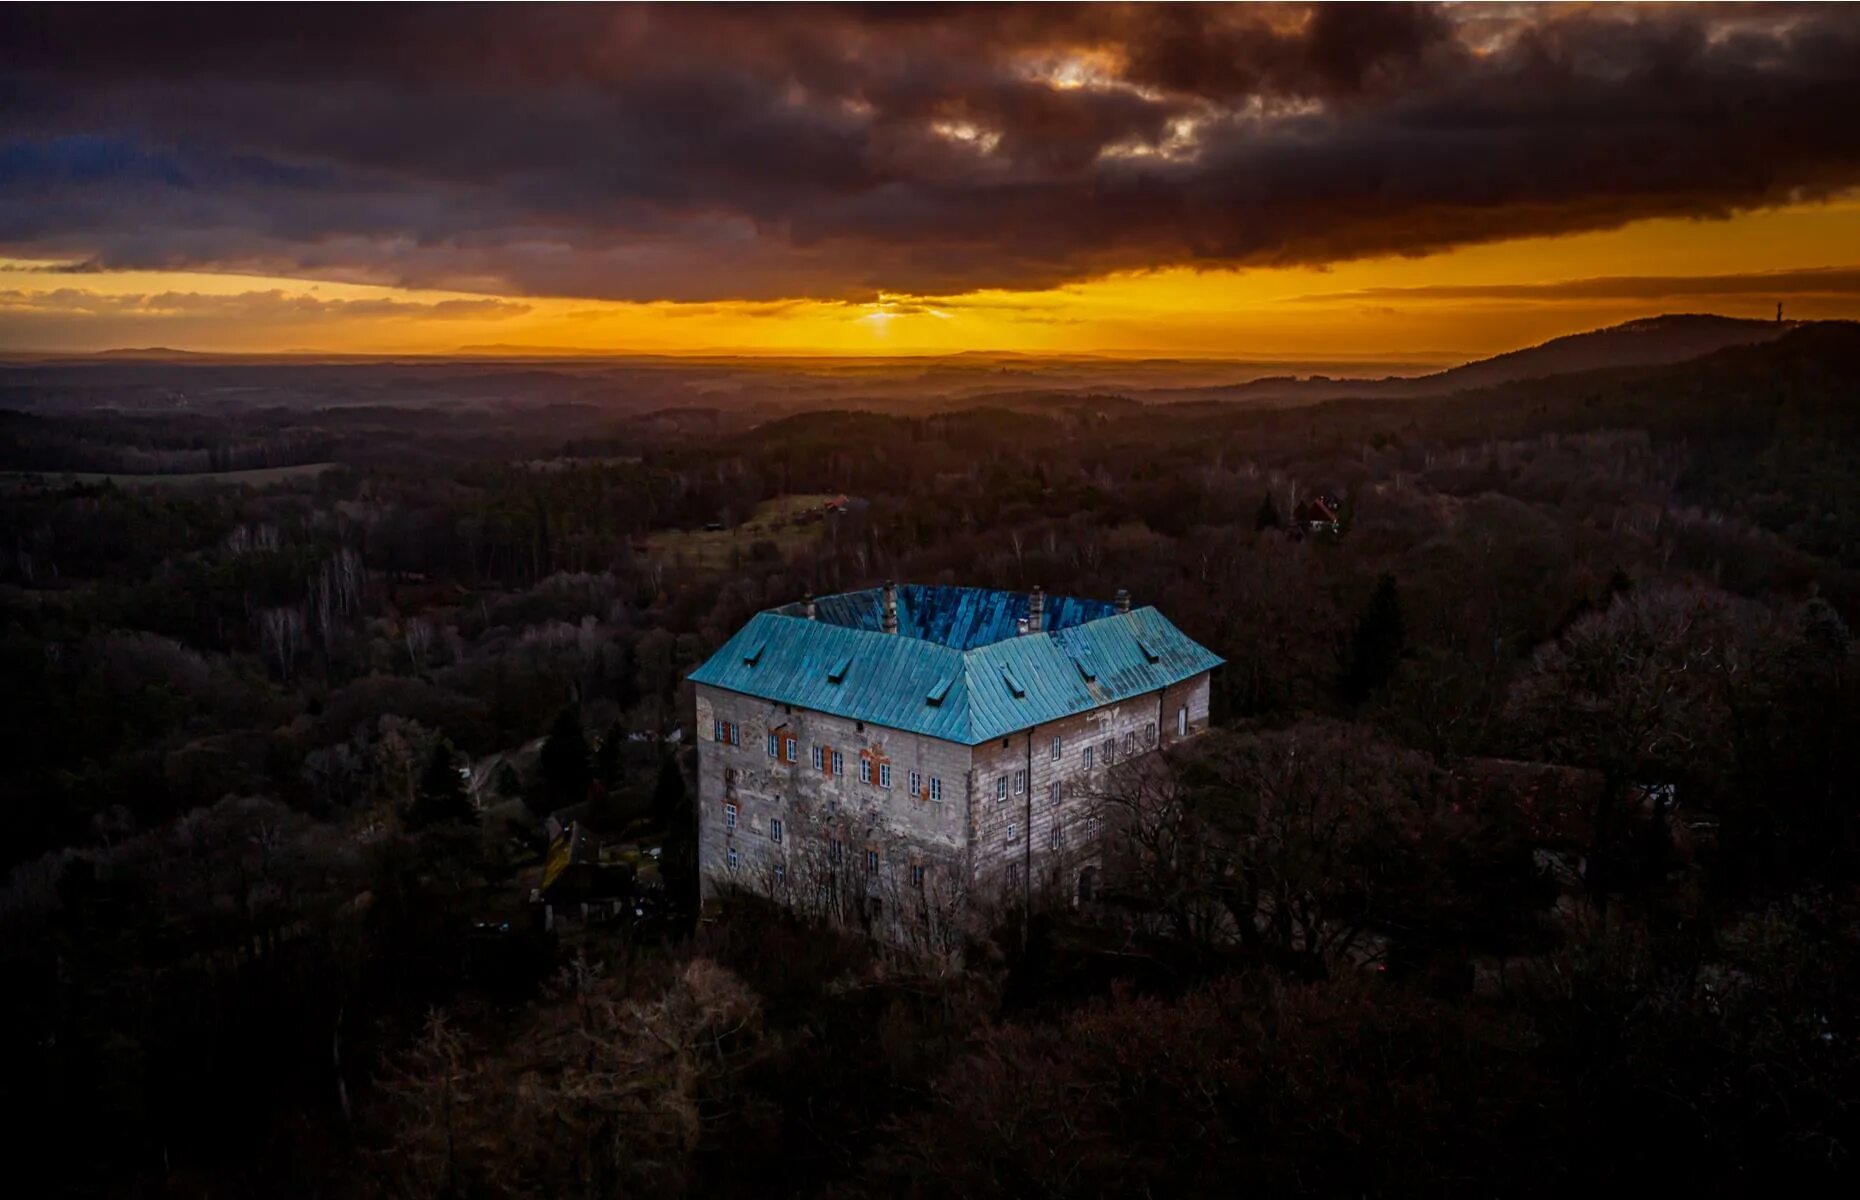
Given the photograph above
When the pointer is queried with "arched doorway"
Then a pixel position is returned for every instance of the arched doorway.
(1088, 884)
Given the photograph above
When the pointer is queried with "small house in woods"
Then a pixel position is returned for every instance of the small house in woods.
(577, 878)
(1320, 514)
(899, 744)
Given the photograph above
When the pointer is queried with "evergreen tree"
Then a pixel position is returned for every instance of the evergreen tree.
(1346, 513)
(610, 759)
(441, 794)
(678, 860)
(565, 769)
(1578, 608)
(668, 793)
(1268, 516)
(1376, 646)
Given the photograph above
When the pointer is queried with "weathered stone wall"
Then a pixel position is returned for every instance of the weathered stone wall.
(1190, 694)
(967, 842)
(817, 807)
(1052, 841)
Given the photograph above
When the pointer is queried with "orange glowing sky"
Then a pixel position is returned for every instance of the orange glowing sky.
(1297, 182)
(1502, 295)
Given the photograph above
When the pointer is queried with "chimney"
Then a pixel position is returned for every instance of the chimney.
(807, 606)
(1036, 610)
(1123, 600)
(891, 607)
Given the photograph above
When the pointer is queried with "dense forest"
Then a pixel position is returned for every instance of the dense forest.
(1522, 856)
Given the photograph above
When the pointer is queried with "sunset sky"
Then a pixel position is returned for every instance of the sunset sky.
(1254, 181)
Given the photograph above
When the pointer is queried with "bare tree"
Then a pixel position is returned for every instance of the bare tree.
(1290, 844)
(417, 635)
(281, 631)
(600, 1096)
(1629, 693)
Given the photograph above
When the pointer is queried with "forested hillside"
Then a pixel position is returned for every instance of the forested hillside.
(1522, 858)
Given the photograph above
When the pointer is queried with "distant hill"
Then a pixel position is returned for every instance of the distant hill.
(1771, 430)
(150, 354)
(1650, 341)
(1804, 382)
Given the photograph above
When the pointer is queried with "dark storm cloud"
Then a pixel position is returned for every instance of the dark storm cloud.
(697, 153)
(1813, 281)
(270, 305)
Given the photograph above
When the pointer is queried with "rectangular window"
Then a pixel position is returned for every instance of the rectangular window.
(775, 829)
(835, 850)
(718, 733)
(1130, 744)
(884, 775)
(774, 746)
(820, 757)
(917, 784)
(839, 763)
(1088, 758)
(1013, 874)
(1013, 832)
(735, 734)
(1058, 837)
(1149, 734)
(1052, 793)
(729, 817)
(781, 873)
(865, 770)
(871, 862)
(1058, 748)
(1020, 782)
(1110, 751)
(1000, 789)
(936, 789)
(1181, 721)
(793, 748)
(735, 860)
(917, 875)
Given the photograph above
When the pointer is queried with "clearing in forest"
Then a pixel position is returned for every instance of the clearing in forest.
(785, 521)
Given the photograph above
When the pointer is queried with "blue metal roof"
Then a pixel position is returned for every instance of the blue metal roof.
(961, 618)
(951, 671)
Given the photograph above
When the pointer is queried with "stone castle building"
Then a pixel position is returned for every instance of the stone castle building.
(898, 751)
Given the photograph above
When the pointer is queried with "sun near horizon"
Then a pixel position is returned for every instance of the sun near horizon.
(1435, 308)
(1266, 182)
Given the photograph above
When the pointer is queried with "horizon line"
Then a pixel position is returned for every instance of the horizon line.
(500, 352)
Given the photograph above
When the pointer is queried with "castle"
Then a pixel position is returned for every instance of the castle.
(900, 751)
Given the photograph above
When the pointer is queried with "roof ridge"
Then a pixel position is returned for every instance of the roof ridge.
(1012, 683)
